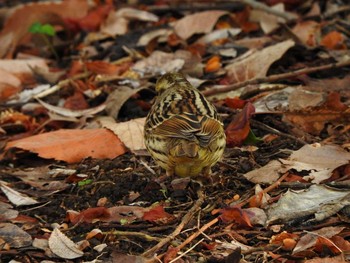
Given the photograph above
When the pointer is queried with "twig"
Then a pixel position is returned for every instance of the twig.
(133, 234)
(188, 250)
(267, 9)
(266, 190)
(179, 228)
(275, 77)
(199, 232)
(265, 127)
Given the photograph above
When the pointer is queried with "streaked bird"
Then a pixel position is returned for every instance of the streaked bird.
(182, 131)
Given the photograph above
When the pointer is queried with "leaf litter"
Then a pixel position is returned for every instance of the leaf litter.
(76, 181)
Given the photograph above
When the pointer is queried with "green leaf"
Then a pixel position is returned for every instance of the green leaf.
(84, 182)
(38, 28)
(35, 28)
(48, 29)
(252, 139)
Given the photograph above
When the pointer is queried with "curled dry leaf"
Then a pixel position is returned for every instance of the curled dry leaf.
(257, 64)
(62, 246)
(72, 145)
(197, 23)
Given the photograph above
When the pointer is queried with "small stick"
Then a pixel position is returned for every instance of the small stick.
(179, 228)
(271, 78)
(266, 190)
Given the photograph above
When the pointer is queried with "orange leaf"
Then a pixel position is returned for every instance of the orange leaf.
(89, 215)
(72, 145)
(76, 102)
(92, 21)
(235, 103)
(170, 254)
(157, 215)
(235, 214)
(323, 243)
(238, 130)
(101, 67)
(333, 40)
(213, 64)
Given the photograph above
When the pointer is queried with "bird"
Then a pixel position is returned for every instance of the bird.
(182, 131)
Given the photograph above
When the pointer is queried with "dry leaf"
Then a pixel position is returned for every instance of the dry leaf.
(15, 197)
(16, 26)
(129, 132)
(257, 64)
(14, 235)
(320, 201)
(202, 22)
(267, 21)
(62, 246)
(117, 98)
(72, 145)
(308, 32)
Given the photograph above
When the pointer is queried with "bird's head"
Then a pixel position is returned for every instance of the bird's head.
(168, 80)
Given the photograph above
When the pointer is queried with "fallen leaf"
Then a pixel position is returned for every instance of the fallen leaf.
(238, 129)
(6, 212)
(310, 238)
(117, 98)
(267, 174)
(308, 32)
(320, 201)
(16, 197)
(197, 23)
(159, 62)
(16, 26)
(333, 40)
(213, 64)
(14, 235)
(320, 160)
(235, 214)
(62, 246)
(257, 64)
(158, 215)
(72, 145)
(129, 132)
(268, 22)
(89, 215)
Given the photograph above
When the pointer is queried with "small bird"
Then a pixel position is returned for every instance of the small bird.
(182, 131)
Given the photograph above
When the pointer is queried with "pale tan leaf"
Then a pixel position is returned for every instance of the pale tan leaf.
(15, 197)
(197, 23)
(258, 63)
(129, 132)
(62, 246)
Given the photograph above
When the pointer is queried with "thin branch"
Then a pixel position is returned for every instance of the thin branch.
(179, 228)
(275, 77)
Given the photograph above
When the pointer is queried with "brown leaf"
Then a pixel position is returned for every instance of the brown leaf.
(89, 215)
(257, 64)
(235, 214)
(157, 215)
(76, 102)
(238, 129)
(202, 22)
(313, 120)
(14, 235)
(72, 145)
(308, 32)
(101, 67)
(16, 27)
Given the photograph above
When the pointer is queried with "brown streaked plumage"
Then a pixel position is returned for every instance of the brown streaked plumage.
(182, 131)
